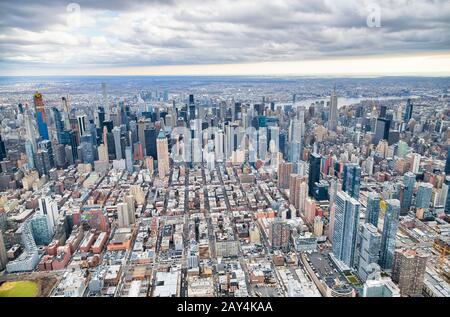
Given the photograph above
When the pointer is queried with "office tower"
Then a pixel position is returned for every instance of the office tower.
(150, 142)
(103, 153)
(408, 111)
(46, 145)
(409, 181)
(447, 196)
(415, 164)
(274, 139)
(30, 129)
(373, 209)
(163, 155)
(40, 115)
(409, 271)
(130, 201)
(391, 220)
(346, 217)
(423, 196)
(123, 215)
(87, 149)
(117, 142)
(369, 249)
(62, 135)
(284, 171)
(42, 162)
(42, 229)
(129, 159)
(70, 158)
(30, 153)
(280, 235)
(382, 111)
(3, 256)
(381, 130)
(60, 156)
(333, 114)
(447, 162)
(81, 120)
(66, 111)
(352, 179)
(49, 208)
(318, 226)
(262, 145)
(105, 101)
(314, 172)
(2, 149)
(237, 111)
(219, 145)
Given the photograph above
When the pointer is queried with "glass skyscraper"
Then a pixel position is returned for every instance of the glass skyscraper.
(409, 181)
(423, 197)
(373, 209)
(314, 172)
(369, 249)
(346, 218)
(352, 179)
(390, 225)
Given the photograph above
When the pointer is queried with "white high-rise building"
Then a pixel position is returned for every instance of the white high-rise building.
(123, 215)
(415, 163)
(49, 208)
(218, 145)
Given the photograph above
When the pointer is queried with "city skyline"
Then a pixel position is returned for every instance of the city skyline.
(235, 152)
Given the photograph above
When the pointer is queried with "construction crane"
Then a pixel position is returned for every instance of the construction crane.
(442, 247)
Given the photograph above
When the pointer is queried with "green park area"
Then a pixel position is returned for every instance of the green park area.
(19, 289)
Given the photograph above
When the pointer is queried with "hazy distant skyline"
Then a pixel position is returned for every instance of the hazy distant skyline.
(191, 37)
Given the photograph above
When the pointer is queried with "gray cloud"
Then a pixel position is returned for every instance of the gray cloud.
(160, 32)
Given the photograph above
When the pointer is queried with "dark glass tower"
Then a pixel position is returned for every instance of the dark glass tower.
(314, 172)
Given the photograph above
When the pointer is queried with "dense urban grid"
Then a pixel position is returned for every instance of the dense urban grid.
(245, 187)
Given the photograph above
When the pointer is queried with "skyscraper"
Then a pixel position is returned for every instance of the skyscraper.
(49, 208)
(381, 130)
(81, 119)
(163, 155)
(447, 200)
(447, 162)
(333, 114)
(150, 136)
(423, 197)
(123, 215)
(352, 179)
(409, 181)
(314, 172)
(3, 256)
(42, 229)
(284, 171)
(117, 143)
(408, 111)
(346, 217)
(369, 249)
(129, 159)
(409, 271)
(391, 219)
(40, 115)
(373, 209)
(280, 235)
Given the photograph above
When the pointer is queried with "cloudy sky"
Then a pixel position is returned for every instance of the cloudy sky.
(203, 37)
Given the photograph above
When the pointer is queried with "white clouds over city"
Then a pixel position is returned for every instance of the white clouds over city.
(42, 37)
